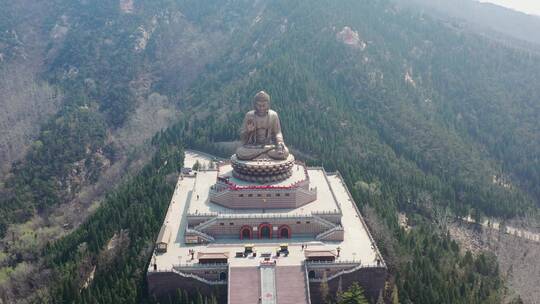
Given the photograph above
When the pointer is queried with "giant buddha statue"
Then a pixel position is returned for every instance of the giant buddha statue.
(263, 156)
(261, 132)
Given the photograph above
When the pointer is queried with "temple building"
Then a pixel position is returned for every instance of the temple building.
(263, 227)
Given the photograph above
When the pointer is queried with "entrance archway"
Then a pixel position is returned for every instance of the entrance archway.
(284, 232)
(245, 232)
(265, 231)
(222, 276)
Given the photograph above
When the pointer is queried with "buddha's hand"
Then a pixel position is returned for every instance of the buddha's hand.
(250, 126)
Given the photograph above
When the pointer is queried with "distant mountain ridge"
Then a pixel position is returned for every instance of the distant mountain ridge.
(485, 16)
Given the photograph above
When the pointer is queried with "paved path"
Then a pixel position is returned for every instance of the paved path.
(493, 224)
(356, 243)
(268, 285)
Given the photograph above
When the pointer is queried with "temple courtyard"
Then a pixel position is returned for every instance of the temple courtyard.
(196, 242)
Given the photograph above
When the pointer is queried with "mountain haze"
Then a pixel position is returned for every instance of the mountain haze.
(487, 17)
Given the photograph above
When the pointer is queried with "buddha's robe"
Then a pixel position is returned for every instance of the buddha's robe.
(262, 142)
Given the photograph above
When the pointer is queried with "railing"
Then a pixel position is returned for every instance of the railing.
(230, 214)
(206, 214)
(249, 215)
(275, 284)
(326, 213)
(200, 266)
(349, 262)
(262, 216)
(306, 278)
(229, 285)
(203, 215)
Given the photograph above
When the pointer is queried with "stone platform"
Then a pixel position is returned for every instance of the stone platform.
(289, 191)
(262, 170)
(298, 275)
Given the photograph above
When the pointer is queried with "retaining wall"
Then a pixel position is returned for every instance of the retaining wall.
(372, 279)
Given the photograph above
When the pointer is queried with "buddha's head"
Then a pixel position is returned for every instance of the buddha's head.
(261, 103)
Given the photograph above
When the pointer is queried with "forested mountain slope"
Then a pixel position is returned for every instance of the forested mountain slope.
(106, 60)
(417, 115)
(483, 16)
(26, 99)
(444, 110)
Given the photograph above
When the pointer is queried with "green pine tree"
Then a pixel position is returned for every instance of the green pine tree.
(395, 296)
(354, 295)
(325, 291)
(196, 166)
(339, 291)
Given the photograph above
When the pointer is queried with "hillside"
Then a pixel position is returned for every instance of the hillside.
(419, 116)
(395, 91)
(491, 19)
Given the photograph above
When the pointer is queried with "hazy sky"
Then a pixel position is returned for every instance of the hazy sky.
(526, 6)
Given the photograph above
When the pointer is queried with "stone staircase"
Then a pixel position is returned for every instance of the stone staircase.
(324, 222)
(206, 224)
(202, 235)
(328, 233)
(244, 285)
(291, 285)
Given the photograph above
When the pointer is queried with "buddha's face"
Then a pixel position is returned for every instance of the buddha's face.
(262, 107)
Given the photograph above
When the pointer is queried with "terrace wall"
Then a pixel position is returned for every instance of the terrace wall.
(231, 227)
(163, 284)
(264, 198)
(372, 279)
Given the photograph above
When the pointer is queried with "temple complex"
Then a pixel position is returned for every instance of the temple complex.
(263, 227)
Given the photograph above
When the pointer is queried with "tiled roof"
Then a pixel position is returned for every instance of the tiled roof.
(212, 255)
